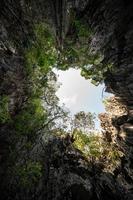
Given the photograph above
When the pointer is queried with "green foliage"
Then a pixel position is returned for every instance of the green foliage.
(112, 156)
(78, 53)
(82, 29)
(42, 53)
(75, 47)
(30, 118)
(88, 144)
(4, 109)
(94, 146)
(28, 174)
(96, 71)
(40, 57)
(41, 106)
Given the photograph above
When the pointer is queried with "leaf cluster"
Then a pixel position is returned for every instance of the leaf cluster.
(28, 174)
(95, 146)
(4, 109)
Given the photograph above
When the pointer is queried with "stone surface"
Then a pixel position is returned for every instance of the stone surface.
(66, 174)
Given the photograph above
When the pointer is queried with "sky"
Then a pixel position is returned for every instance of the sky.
(78, 94)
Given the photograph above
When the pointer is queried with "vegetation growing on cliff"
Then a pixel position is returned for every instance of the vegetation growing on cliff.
(28, 174)
(91, 142)
(78, 52)
(4, 109)
(34, 162)
(40, 113)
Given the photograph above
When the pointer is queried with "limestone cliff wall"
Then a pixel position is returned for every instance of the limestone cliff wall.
(67, 173)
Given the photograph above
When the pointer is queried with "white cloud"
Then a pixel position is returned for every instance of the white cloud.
(79, 94)
(69, 100)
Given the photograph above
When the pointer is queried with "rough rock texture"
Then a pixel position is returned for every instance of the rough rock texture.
(66, 174)
(115, 116)
(113, 27)
(70, 176)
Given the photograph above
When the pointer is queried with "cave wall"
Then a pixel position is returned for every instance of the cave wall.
(113, 29)
(67, 173)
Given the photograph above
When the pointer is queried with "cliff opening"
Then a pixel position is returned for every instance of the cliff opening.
(78, 94)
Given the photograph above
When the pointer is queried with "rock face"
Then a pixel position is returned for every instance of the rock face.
(62, 179)
(113, 28)
(70, 176)
(66, 174)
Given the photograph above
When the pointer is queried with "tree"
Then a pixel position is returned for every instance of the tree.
(89, 144)
(75, 46)
(79, 52)
(41, 109)
(95, 148)
(84, 121)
